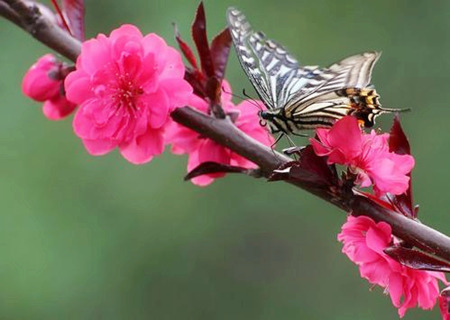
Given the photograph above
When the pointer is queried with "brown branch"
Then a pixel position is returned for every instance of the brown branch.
(225, 133)
(7, 12)
(43, 28)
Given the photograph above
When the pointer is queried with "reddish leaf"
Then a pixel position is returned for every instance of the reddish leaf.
(201, 41)
(220, 49)
(398, 143)
(377, 200)
(62, 22)
(195, 79)
(74, 11)
(187, 51)
(416, 259)
(309, 169)
(213, 90)
(214, 167)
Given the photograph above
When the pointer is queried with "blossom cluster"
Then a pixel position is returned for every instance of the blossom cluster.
(126, 85)
(364, 244)
(367, 155)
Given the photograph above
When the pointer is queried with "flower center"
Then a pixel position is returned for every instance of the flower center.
(126, 92)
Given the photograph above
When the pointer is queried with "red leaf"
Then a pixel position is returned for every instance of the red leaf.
(309, 169)
(416, 259)
(220, 49)
(184, 47)
(377, 200)
(195, 79)
(398, 143)
(214, 167)
(74, 10)
(213, 90)
(62, 23)
(201, 41)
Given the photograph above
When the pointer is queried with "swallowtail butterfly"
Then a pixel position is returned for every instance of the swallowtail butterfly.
(304, 97)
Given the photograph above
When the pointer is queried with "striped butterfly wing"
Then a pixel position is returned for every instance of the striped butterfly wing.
(351, 72)
(319, 102)
(273, 72)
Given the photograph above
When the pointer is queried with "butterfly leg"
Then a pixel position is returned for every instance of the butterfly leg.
(276, 141)
(293, 149)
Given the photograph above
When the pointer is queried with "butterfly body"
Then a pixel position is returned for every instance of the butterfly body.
(304, 97)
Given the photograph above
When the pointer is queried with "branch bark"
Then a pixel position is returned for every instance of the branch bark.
(41, 27)
(225, 133)
(7, 12)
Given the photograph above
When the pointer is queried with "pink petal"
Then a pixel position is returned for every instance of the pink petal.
(142, 149)
(319, 148)
(208, 151)
(203, 180)
(346, 136)
(184, 140)
(375, 272)
(178, 91)
(78, 87)
(57, 109)
(212, 151)
(95, 54)
(395, 288)
(168, 60)
(94, 120)
(99, 147)
(157, 105)
(377, 240)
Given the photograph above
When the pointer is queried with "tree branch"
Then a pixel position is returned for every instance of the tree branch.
(225, 133)
(10, 14)
(42, 28)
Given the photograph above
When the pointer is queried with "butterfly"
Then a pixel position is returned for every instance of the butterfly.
(304, 97)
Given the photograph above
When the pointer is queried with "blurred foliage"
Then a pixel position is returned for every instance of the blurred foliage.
(98, 238)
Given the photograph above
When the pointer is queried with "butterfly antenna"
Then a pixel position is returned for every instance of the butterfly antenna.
(252, 100)
(232, 94)
(394, 110)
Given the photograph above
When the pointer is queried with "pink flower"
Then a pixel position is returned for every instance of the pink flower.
(44, 83)
(366, 154)
(201, 149)
(126, 85)
(364, 242)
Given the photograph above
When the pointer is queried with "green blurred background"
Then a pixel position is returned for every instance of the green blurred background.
(99, 238)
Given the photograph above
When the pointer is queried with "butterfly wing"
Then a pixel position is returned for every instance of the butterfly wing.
(357, 69)
(352, 72)
(273, 72)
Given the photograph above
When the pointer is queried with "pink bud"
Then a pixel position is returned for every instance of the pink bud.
(58, 108)
(40, 82)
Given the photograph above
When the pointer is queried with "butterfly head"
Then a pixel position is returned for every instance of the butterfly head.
(274, 120)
